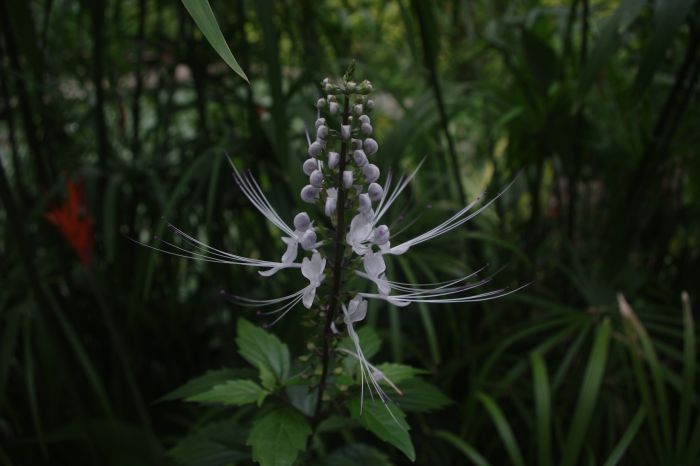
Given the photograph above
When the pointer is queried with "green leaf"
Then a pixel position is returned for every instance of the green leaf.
(369, 342)
(200, 10)
(233, 392)
(504, 429)
(590, 388)
(609, 40)
(543, 409)
(619, 451)
(668, 17)
(421, 396)
(264, 351)
(201, 384)
(399, 372)
(357, 454)
(278, 437)
(376, 418)
(215, 444)
(467, 449)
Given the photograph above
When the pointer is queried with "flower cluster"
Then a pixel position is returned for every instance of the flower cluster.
(344, 185)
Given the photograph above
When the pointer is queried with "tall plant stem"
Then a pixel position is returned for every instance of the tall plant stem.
(337, 269)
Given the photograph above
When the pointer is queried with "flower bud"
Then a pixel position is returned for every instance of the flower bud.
(302, 221)
(381, 235)
(320, 103)
(309, 166)
(320, 121)
(333, 159)
(370, 104)
(322, 132)
(357, 109)
(333, 108)
(331, 201)
(366, 129)
(345, 131)
(371, 146)
(375, 191)
(347, 179)
(356, 144)
(330, 205)
(331, 98)
(316, 179)
(365, 203)
(360, 158)
(309, 194)
(315, 149)
(363, 119)
(308, 239)
(351, 85)
(371, 172)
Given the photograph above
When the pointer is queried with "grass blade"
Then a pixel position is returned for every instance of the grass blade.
(504, 430)
(627, 437)
(543, 409)
(201, 13)
(688, 375)
(464, 447)
(588, 395)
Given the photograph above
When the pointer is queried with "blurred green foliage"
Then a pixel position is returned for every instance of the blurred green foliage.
(595, 101)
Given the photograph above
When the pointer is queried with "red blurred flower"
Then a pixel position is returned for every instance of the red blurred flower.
(73, 221)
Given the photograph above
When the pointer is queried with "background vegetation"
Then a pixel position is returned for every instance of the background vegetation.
(595, 101)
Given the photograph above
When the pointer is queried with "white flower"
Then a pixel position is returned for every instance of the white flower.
(313, 271)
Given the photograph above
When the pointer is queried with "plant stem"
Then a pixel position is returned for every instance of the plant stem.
(337, 268)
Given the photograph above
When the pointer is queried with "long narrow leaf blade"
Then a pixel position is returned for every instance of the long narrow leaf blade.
(203, 16)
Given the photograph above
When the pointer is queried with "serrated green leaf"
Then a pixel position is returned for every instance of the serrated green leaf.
(278, 437)
(421, 396)
(376, 418)
(357, 454)
(201, 384)
(233, 392)
(264, 351)
(203, 16)
(215, 444)
(369, 342)
(399, 372)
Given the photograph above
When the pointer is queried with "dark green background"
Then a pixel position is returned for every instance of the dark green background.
(596, 102)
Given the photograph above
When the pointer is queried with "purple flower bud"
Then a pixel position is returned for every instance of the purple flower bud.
(371, 172)
(381, 235)
(375, 192)
(309, 166)
(302, 221)
(370, 104)
(371, 146)
(365, 203)
(360, 158)
(357, 109)
(347, 179)
(333, 159)
(320, 121)
(356, 144)
(345, 131)
(364, 119)
(315, 149)
(333, 108)
(309, 194)
(322, 132)
(308, 239)
(320, 103)
(316, 179)
(366, 129)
